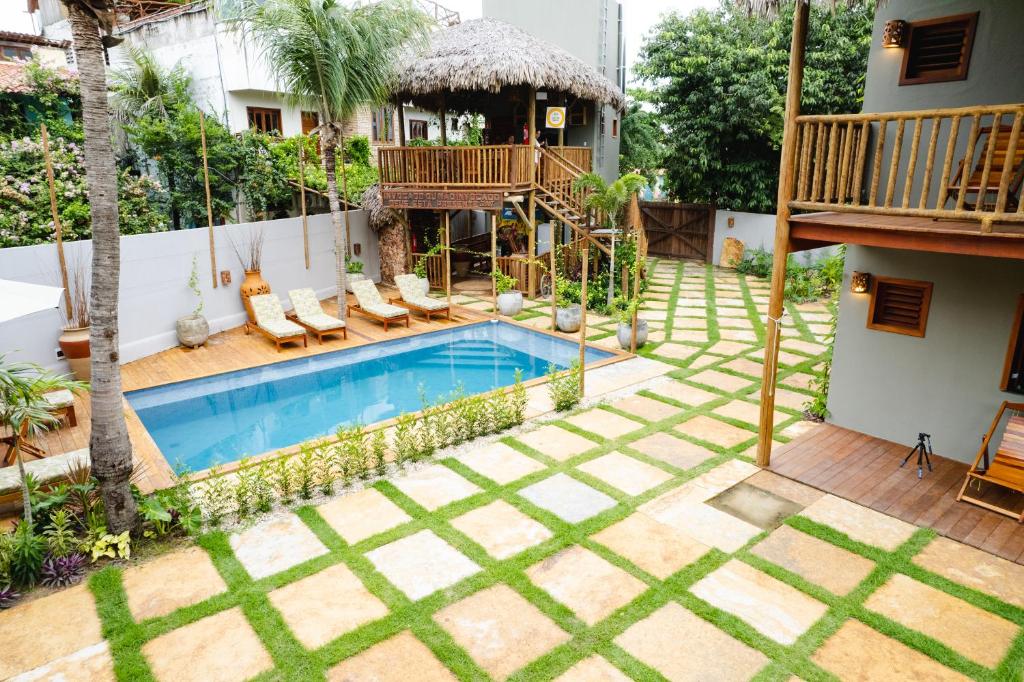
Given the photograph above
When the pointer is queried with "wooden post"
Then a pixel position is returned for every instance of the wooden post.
(448, 258)
(583, 315)
(443, 114)
(302, 197)
(58, 229)
(494, 263)
(781, 249)
(554, 287)
(209, 198)
(561, 131)
(408, 240)
(401, 122)
(636, 290)
(531, 129)
(531, 245)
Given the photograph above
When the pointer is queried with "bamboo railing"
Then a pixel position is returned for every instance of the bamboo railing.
(499, 167)
(937, 163)
(517, 267)
(435, 268)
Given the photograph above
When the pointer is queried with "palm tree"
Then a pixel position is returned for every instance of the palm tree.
(142, 87)
(109, 447)
(333, 59)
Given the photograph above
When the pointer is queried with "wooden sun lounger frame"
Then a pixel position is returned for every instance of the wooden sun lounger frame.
(355, 308)
(278, 340)
(316, 332)
(980, 474)
(447, 310)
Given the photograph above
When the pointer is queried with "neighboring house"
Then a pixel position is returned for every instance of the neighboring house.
(17, 92)
(22, 47)
(930, 334)
(592, 31)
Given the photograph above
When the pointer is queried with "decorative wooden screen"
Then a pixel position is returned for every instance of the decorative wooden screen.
(900, 306)
(264, 120)
(938, 50)
(310, 120)
(417, 129)
(382, 124)
(1013, 369)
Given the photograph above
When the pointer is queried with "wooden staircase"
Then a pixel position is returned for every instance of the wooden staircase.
(553, 193)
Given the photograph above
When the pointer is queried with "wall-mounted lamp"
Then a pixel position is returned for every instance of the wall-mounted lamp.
(732, 221)
(225, 277)
(895, 33)
(860, 282)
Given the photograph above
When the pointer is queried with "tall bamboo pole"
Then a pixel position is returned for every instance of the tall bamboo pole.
(448, 258)
(554, 287)
(401, 122)
(443, 114)
(634, 219)
(344, 201)
(302, 197)
(583, 315)
(209, 199)
(781, 249)
(58, 229)
(494, 264)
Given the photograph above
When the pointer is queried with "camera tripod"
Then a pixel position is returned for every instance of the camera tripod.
(924, 452)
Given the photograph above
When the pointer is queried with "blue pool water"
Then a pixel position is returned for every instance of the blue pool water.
(222, 418)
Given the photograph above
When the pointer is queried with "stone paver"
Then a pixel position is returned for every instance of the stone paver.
(974, 568)
(979, 635)
(684, 393)
(729, 348)
(421, 564)
(755, 505)
(326, 605)
(500, 629)
(817, 561)
(604, 423)
(686, 648)
(567, 498)
(362, 514)
(671, 450)
(791, 399)
(803, 495)
(654, 547)
(590, 586)
(276, 545)
(593, 669)
(798, 380)
(704, 524)
(91, 664)
(556, 442)
(435, 486)
(860, 523)
(749, 413)
(714, 431)
(501, 529)
(771, 607)
(856, 652)
(501, 463)
(221, 647)
(400, 659)
(745, 366)
(629, 475)
(720, 380)
(190, 571)
(689, 335)
(646, 408)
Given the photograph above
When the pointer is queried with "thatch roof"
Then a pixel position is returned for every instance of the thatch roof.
(486, 55)
(379, 217)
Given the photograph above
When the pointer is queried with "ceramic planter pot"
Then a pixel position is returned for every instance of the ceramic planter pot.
(569, 319)
(193, 330)
(74, 343)
(253, 285)
(626, 332)
(353, 277)
(510, 303)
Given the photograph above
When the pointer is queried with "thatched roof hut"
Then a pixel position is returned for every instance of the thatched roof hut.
(490, 56)
(378, 216)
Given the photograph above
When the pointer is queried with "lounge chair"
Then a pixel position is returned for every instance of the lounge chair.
(372, 305)
(310, 314)
(413, 298)
(1006, 469)
(271, 322)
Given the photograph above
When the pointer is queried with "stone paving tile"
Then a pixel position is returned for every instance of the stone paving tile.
(646, 408)
(690, 335)
(593, 669)
(720, 380)
(421, 564)
(581, 580)
(798, 380)
(653, 315)
(500, 629)
(501, 529)
(770, 606)
(690, 311)
(190, 571)
(676, 351)
(33, 634)
(604, 423)
(556, 442)
(703, 361)
(702, 523)
(978, 635)
(755, 505)
(688, 323)
(736, 322)
(435, 486)
(221, 647)
(860, 523)
(684, 393)
(714, 431)
(567, 498)
(675, 451)
(402, 658)
(791, 399)
(798, 428)
(737, 335)
(749, 413)
(724, 313)
(654, 547)
(745, 366)
(362, 514)
(91, 664)
(803, 346)
(791, 359)
(856, 652)
(803, 495)
(729, 348)
(629, 475)
(974, 568)
(275, 545)
(326, 605)
(817, 561)
(686, 648)
(500, 463)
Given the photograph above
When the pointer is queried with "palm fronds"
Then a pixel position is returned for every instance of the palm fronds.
(143, 87)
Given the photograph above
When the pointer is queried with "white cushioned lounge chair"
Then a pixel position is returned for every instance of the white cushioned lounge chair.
(412, 297)
(372, 305)
(310, 314)
(271, 322)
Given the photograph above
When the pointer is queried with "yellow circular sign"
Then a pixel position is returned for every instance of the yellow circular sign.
(556, 117)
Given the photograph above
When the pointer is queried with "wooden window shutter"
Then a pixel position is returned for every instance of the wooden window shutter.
(1013, 368)
(900, 306)
(938, 50)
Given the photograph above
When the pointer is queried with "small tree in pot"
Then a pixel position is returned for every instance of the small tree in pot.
(193, 329)
(510, 299)
(355, 273)
(624, 313)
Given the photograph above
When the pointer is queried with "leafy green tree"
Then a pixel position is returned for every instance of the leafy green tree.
(642, 147)
(718, 82)
(52, 98)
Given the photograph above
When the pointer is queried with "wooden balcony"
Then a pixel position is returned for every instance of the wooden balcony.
(945, 180)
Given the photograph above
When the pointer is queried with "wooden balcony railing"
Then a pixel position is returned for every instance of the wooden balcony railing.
(517, 267)
(961, 164)
(435, 268)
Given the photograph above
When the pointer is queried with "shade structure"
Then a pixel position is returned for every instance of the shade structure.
(18, 299)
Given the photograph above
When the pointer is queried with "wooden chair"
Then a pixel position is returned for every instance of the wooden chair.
(1006, 469)
(414, 299)
(985, 198)
(372, 305)
(271, 322)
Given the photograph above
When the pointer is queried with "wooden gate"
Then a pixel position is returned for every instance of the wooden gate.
(679, 230)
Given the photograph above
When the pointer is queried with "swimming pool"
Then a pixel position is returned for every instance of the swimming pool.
(222, 418)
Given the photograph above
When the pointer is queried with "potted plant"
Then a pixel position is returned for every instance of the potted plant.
(251, 259)
(420, 268)
(74, 338)
(568, 315)
(355, 273)
(624, 314)
(510, 300)
(193, 329)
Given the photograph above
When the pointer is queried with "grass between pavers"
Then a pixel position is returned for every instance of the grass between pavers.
(293, 662)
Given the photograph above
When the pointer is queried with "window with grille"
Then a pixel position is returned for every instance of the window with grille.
(938, 50)
(900, 306)
(417, 130)
(310, 120)
(577, 115)
(1013, 371)
(615, 127)
(16, 53)
(264, 120)
(383, 124)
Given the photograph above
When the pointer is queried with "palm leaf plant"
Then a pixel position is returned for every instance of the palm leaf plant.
(142, 87)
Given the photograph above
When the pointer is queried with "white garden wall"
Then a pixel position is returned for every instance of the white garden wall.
(154, 275)
(755, 230)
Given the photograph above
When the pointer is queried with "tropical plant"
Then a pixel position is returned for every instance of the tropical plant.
(60, 535)
(28, 549)
(642, 148)
(112, 546)
(62, 571)
(355, 266)
(502, 282)
(142, 87)
(564, 386)
(193, 286)
(7, 596)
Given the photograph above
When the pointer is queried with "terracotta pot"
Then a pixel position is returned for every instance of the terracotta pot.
(74, 342)
(253, 285)
(625, 333)
(193, 330)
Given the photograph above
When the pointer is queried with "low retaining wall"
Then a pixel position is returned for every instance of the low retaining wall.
(755, 230)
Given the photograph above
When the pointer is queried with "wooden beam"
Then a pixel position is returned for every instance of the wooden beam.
(58, 229)
(554, 273)
(209, 200)
(494, 264)
(448, 258)
(443, 114)
(531, 245)
(781, 249)
(811, 235)
(302, 197)
(583, 316)
(401, 122)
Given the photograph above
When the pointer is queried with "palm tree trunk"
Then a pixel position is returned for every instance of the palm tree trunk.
(109, 448)
(327, 142)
